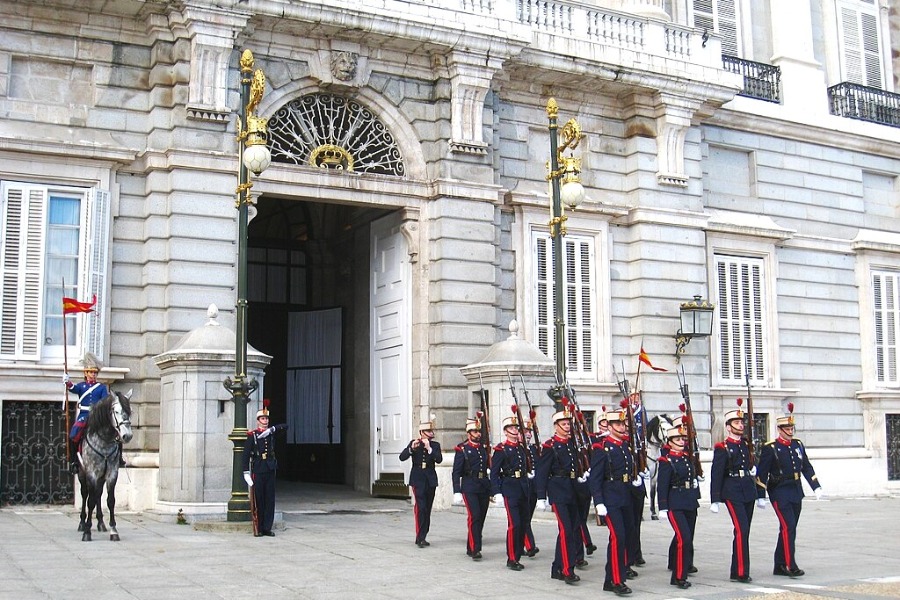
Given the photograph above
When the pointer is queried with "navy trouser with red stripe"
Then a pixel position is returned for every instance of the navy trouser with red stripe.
(741, 516)
(516, 512)
(681, 550)
(530, 505)
(424, 496)
(619, 521)
(477, 508)
(568, 539)
(788, 515)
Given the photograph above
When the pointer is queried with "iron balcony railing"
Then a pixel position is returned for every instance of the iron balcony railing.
(761, 81)
(865, 103)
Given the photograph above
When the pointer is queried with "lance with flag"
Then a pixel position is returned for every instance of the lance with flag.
(70, 306)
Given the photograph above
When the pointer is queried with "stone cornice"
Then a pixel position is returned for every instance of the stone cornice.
(59, 148)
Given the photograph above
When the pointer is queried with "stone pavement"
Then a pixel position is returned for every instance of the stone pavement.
(338, 544)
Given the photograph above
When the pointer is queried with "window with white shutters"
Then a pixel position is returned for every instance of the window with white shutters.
(860, 46)
(720, 17)
(53, 243)
(579, 291)
(887, 320)
(741, 310)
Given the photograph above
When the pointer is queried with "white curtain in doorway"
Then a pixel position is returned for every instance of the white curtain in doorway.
(314, 377)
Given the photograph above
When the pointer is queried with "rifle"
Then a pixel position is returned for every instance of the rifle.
(751, 429)
(254, 516)
(532, 414)
(693, 447)
(529, 466)
(485, 420)
(640, 457)
(580, 435)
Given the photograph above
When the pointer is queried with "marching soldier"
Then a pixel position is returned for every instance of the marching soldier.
(471, 485)
(638, 492)
(509, 484)
(612, 469)
(555, 481)
(583, 494)
(260, 466)
(534, 450)
(679, 489)
(781, 463)
(425, 453)
(733, 481)
(89, 392)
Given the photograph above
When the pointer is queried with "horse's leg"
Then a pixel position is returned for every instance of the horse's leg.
(92, 503)
(82, 480)
(654, 516)
(111, 505)
(101, 526)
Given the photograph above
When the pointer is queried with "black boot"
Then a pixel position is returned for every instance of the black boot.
(73, 458)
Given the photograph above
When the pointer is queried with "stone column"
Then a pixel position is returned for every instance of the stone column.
(802, 77)
(196, 416)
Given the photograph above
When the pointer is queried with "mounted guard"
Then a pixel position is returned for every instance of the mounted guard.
(89, 392)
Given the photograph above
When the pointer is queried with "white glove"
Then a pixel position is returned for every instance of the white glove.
(664, 514)
(66, 378)
(819, 493)
(701, 478)
(761, 503)
(695, 484)
(530, 474)
(637, 482)
(585, 476)
(457, 499)
(498, 500)
(645, 474)
(714, 507)
(601, 509)
(542, 505)
(753, 471)
(248, 478)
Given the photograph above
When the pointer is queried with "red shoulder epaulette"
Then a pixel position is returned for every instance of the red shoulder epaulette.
(721, 446)
(597, 446)
(459, 447)
(548, 443)
(663, 459)
(498, 448)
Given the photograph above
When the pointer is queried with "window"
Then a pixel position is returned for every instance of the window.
(860, 47)
(884, 298)
(578, 299)
(53, 242)
(742, 318)
(720, 17)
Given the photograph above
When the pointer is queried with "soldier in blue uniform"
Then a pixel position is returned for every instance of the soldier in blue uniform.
(260, 466)
(583, 495)
(425, 453)
(781, 464)
(678, 490)
(89, 392)
(510, 467)
(638, 491)
(535, 451)
(733, 481)
(611, 478)
(555, 480)
(472, 485)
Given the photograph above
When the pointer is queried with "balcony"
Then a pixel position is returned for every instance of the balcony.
(864, 103)
(761, 81)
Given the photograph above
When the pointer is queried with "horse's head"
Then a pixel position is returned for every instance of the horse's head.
(120, 415)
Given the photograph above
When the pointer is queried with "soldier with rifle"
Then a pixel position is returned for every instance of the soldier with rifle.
(558, 469)
(733, 482)
(425, 453)
(471, 484)
(260, 466)
(679, 490)
(636, 427)
(510, 468)
(610, 480)
(533, 442)
(583, 444)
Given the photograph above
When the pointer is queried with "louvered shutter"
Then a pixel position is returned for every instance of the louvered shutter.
(95, 253)
(860, 47)
(885, 290)
(22, 266)
(742, 318)
(579, 291)
(720, 17)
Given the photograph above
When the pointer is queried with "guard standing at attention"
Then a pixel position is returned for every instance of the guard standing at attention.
(471, 485)
(509, 484)
(733, 481)
(425, 453)
(678, 490)
(781, 464)
(555, 481)
(260, 466)
(612, 471)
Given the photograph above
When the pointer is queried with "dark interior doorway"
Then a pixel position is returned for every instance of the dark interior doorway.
(310, 256)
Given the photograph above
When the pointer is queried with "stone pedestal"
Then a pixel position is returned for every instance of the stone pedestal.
(196, 417)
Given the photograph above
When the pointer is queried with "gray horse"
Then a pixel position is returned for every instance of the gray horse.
(108, 426)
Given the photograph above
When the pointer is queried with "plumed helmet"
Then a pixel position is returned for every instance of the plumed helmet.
(91, 362)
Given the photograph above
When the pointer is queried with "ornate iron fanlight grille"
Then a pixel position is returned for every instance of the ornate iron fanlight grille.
(333, 132)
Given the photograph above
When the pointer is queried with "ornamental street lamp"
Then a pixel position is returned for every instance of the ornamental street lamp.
(696, 322)
(566, 190)
(254, 157)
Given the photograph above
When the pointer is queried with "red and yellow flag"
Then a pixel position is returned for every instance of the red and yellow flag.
(645, 358)
(71, 305)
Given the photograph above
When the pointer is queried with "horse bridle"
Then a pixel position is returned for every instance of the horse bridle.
(114, 416)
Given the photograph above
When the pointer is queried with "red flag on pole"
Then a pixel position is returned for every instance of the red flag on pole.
(71, 305)
(645, 358)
